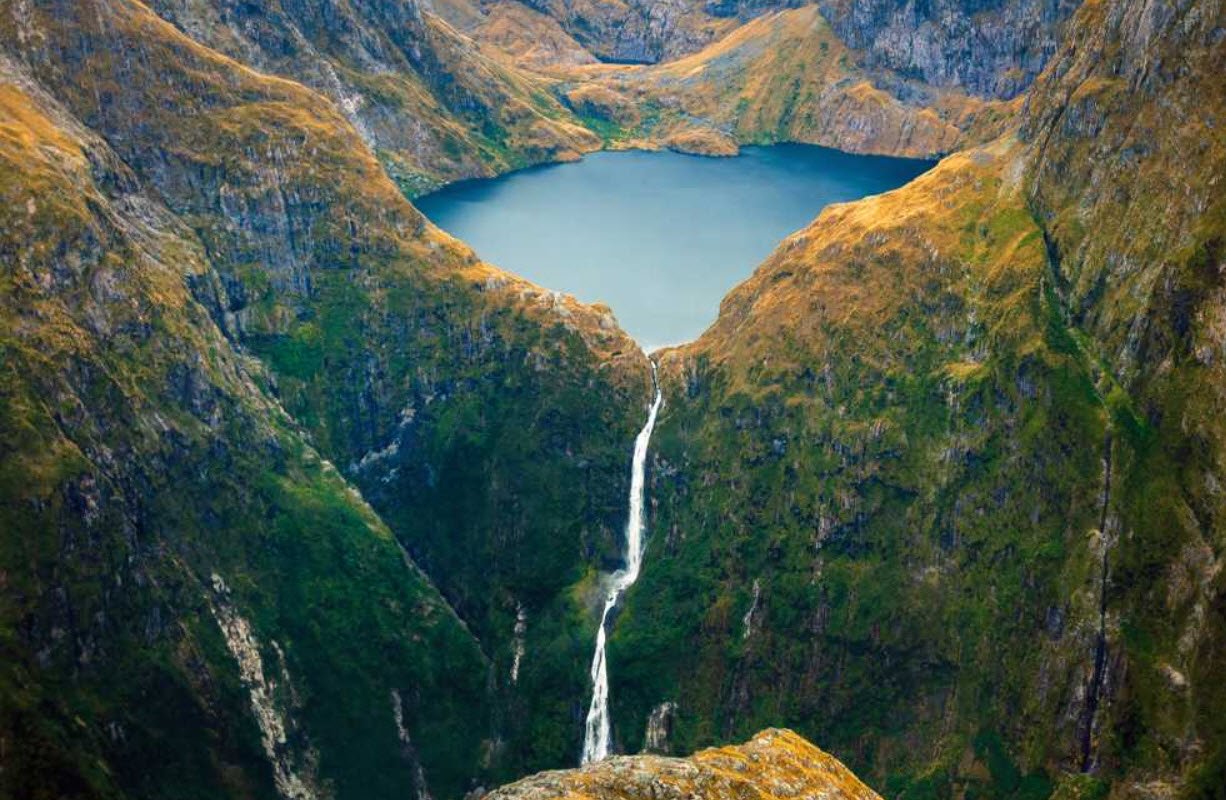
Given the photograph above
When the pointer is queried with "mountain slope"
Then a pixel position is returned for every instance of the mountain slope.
(172, 564)
(938, 487)
(783, 76)
(431, 105)
(458, 396)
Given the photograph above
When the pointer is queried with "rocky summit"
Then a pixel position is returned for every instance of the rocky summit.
(774, 765)
(301, 498)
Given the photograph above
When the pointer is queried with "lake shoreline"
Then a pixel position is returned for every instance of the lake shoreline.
(658, 236)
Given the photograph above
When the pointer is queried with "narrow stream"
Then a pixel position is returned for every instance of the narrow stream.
(597, 733)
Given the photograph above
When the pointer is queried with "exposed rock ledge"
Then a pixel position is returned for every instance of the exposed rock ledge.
(702, 142)
(775, 764)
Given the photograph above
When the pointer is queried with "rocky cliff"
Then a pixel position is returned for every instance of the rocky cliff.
(635, 31)
(993, 48)
(938, 487)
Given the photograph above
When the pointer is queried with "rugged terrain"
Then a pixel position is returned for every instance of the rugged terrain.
(424, 98)
(214, 292)
(774, 764)
(939, 488)
(992, 48)
(302, 499)
(783, 77)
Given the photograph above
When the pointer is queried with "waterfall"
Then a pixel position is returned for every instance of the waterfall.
(596, 735)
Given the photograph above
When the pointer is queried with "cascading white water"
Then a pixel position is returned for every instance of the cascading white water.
(596, 736)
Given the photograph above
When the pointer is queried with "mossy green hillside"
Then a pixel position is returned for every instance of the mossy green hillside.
(140, 460)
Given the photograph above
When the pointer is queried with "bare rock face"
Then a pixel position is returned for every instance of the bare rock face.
(994, 48)
(775, 764)
(634, 31)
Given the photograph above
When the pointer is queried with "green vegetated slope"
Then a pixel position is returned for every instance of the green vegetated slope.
(213, 292)
(141, 459)
(939, 488)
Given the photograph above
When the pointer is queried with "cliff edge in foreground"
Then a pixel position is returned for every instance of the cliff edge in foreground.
(774, 764)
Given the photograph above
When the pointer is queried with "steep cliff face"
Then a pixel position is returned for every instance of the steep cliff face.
(939, 486)
(774, 764)
(171, 216)
(1129, 110)
(993, 48)
(636, 31)
(424, 98)
(177, 618)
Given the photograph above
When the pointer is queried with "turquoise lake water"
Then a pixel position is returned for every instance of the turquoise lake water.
(660, 237)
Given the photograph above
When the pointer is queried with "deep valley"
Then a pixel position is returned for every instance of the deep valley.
(303, 497)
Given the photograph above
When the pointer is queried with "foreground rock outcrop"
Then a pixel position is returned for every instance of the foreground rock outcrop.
(775, 764)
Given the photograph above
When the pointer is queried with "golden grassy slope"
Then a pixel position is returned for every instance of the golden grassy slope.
(961, 228)
(531, 38)
(774, 765)
(786, 77)
(215, 115)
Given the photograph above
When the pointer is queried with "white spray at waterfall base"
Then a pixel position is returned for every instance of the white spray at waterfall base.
(597, 733)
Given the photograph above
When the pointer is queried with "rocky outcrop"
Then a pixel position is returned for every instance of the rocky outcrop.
(775, 764)
(992, 48)
(659, 728)
(701, 142)
(748, 9)
(293, 773)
